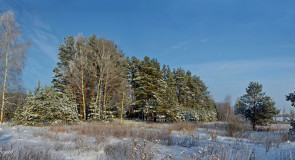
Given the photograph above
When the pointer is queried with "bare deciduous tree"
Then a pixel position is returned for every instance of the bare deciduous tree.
(224, 109)
(79, 69)
(12, 52)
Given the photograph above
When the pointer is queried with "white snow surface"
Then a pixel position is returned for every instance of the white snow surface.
(201, 143)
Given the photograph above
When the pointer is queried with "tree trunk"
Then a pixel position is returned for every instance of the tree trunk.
(105, 95)
(4, 85)
(98, 97)
(92, 90)
(122, 107)
(83, 96)
(81, 107)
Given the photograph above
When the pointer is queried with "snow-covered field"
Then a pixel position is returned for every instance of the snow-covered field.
(136, 140)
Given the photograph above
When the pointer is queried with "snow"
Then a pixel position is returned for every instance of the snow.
(205, 143)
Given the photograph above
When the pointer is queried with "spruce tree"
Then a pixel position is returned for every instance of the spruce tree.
(47, 106)
(180, 85)
(170, 103)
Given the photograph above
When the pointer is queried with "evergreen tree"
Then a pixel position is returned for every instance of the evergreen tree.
(46, 106)
(256, 106)
(188, 97)
(143, 90)
(66, 52)
(170, 103)
(133, 111)
(180, 85)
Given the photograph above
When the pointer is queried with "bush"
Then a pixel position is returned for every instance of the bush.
(237, 126)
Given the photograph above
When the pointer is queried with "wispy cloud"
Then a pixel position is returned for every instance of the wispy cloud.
(242, 66)
(178, 46)
(204, 40)
(43, 51)
(35, 30)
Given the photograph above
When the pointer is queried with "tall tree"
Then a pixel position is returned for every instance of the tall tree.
(113, 71)
(61, 79)
(12, 52)
(256, 106)
(79, 71)
(180, 85)
(170, 103)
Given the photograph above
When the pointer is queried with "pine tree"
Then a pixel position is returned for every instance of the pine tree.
(170, 103)
(134, 110)
(66, 53)
(180, 85)
(144, 86)
(256, 106)
(188, 90)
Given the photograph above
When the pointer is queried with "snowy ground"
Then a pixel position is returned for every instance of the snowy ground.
(142, 140)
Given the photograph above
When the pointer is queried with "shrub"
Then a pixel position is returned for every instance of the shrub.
(237, 126)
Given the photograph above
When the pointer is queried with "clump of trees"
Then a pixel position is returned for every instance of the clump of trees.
(162, 93)
(256, 106)
(12, 56)
(107, 85)
(95, 70)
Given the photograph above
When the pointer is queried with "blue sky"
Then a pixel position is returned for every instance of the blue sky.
(228, 43)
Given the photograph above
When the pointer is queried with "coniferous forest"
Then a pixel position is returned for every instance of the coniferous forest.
(94, 81)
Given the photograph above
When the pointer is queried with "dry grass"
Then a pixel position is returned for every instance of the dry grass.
(119, 131)
(27, 153)
(185, 127)
(148, 131)
(269, 129)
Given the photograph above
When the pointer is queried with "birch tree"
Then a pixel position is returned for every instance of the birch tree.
(12, 53)
(79, 70)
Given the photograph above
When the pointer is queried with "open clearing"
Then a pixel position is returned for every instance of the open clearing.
(138, 140)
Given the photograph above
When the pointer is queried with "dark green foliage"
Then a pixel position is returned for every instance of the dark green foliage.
(66, 51)
(256, 106)
(291, 97)
(166, 95)
(47, 106)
